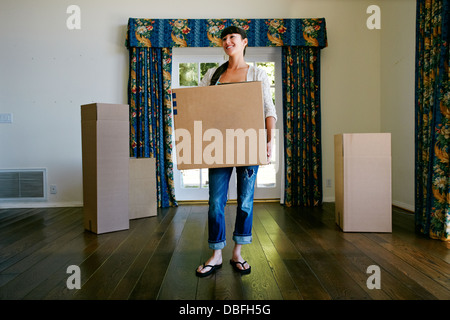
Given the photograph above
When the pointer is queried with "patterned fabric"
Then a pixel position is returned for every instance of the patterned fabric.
(166, 33)
(149, 42)
(151, 115)
(432, 101)
(302, 140)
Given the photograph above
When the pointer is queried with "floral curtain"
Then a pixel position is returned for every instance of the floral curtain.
(151, 115)
(166, 33)
(301, 112)
(149, 94)
(432, 107)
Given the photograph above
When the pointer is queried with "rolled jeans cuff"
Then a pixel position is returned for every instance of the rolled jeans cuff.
(242, 239)
(217, 245)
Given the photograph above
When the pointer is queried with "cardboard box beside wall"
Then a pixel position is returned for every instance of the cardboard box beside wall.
(219, 126)
(105, 158)
(142, 191)
(363, 182)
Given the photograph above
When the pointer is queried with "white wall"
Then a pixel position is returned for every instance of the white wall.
(397, 94)
(350, 75)
(48, 71)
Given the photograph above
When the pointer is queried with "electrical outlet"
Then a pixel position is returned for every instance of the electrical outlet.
(328, 183)
(5, 117)
(53, 189)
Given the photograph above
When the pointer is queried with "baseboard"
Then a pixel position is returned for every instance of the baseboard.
(27, 205)
(328, 199)
(14, 205)
(233, 201)
(404, 206)
(399, 204)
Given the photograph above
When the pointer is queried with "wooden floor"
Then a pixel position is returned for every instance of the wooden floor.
(296, 253)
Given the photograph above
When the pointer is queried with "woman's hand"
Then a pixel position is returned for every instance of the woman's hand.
(269, 151)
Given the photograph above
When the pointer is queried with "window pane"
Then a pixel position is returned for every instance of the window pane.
(190, 178)
(188, 74)
(267, 174)
(266, 177)
(269, 67)
(205, 67)
(205, 181)
(272, 91)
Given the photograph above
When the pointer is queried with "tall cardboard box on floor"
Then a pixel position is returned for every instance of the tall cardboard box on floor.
(105, 154)
(219, 126)
(363, 182)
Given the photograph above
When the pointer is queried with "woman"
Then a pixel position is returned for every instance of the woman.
(234, 43)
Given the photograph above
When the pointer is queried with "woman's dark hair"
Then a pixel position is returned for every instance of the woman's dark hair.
(231, 30)
(223, 67)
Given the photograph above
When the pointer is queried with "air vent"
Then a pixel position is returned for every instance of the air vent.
(20, 184)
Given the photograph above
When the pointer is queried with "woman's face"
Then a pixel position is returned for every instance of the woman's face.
(234, 44)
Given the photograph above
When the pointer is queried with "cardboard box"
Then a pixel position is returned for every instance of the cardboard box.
(219, 126)
(105, 154)
(142, 191)
(363, 182)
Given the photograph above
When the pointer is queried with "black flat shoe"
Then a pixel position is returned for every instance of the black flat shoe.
(205, 274)
(241, 271)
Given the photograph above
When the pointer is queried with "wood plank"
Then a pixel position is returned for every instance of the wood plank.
(297, 253)
(154, 232)
(114, 268)
(37, 267)
(404, 228)
(393, 269)
(155, 270)
(280, 272)
(9, 216)
(225, 284)
(55, 286)
(27, 243)
(94, 254)
(30, 227)
(260, 284)
(354, 260)
(180, 282)
(435, 268)
(206, 286)
(399, 269)
(334, 279)
(307, 282)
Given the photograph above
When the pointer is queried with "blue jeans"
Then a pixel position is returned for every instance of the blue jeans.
(219, 179)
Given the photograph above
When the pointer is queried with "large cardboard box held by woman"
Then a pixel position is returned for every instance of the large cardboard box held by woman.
(219, 126)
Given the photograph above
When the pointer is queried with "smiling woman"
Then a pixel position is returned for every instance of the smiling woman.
(236, 69)
(234, 39)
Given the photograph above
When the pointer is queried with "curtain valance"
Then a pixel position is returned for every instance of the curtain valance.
(167, 33)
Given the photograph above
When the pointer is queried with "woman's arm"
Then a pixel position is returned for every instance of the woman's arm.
(270, 127)
(269, 110)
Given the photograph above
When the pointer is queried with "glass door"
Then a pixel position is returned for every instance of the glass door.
(188, 67)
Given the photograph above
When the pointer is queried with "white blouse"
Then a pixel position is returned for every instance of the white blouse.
(253, 74)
